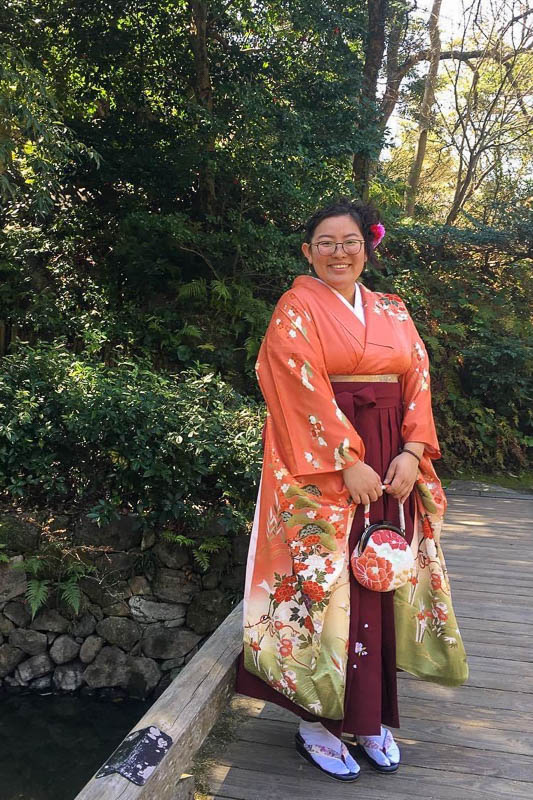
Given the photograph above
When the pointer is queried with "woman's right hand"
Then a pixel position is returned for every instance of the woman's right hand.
(363, 483)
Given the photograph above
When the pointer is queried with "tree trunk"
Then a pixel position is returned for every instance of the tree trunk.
(374, 50)
(463, 184)
(425, 111)
(203, 92)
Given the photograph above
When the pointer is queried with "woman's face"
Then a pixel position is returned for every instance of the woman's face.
(338, 269)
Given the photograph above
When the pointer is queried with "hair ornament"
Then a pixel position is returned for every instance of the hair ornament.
(378, 232)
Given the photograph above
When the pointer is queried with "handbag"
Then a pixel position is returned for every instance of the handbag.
(382, 560)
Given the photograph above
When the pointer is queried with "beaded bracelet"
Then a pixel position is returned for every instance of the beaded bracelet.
(406, 450)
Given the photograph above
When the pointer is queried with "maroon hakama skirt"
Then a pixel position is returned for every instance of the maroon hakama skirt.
(376, 412)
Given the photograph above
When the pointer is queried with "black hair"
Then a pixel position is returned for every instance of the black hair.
(364, 214)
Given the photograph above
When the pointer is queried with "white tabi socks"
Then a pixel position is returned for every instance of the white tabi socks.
(314, 733)
(382, 749)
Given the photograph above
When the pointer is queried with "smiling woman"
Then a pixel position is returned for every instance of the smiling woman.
(337, 254)
(338, 243)
(345, 377)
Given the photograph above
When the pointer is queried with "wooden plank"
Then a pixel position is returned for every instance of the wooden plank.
(502, 648)
(493, 576)
(251, 784)
(186, 711)
(472, 696)
(487, 588)
(492, 611)
(499, 626)
(270, 760)
(511, 669)
(412, 709)
(492, 681)
(469, 743)
(458, 734)
(507, 599)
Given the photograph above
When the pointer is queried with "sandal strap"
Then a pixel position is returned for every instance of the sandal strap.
(369, 744)
(322, 750)
(388, 740)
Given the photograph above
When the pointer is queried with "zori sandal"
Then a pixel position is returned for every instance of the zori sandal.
(381, 752)
(307, 751)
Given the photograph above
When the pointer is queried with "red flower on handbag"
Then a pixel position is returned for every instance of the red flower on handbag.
(388, 537)
(382, 559)
(373, 572)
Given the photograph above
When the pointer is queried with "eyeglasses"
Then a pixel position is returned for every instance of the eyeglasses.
(351, 247)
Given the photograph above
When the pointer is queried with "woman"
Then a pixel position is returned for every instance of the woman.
(345, 378)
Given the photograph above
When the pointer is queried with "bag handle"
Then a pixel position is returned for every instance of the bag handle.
(401, 512)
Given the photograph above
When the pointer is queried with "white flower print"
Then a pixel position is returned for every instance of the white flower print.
(334, 517)
(312, 419)
(316, 463)
(419, 350)
(311, 514)
(292, 334)
(412, 406)
(308, 456)
(360, 649)
(285, 487)
(322, 442)
(290, 312)
(291, 362)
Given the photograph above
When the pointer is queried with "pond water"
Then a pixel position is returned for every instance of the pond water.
(50, 746)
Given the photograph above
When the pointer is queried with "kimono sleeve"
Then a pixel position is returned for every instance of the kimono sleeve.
(418, 424)
(311, 433)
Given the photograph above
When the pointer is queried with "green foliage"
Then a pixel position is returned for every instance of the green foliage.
(119, 274)
(469, 293)
(37, 594)
(55, 568)
(76, 433)
(37, 149)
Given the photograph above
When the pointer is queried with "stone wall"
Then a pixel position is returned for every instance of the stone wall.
(144, 613)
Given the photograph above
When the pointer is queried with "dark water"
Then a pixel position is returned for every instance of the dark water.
(51, 746)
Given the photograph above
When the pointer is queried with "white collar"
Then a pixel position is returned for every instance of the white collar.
(357, 307)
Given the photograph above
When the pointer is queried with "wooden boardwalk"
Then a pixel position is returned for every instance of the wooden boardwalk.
(470, 743)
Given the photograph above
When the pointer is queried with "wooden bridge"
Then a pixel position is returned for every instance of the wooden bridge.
(470, 743)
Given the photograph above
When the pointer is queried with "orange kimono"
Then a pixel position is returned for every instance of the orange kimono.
(297, 594)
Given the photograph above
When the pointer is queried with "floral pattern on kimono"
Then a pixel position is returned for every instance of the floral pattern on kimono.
(297, 600)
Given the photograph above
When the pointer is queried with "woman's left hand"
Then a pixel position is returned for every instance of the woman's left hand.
(401, 476)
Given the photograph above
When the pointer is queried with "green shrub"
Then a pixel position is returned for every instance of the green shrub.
(183, 452)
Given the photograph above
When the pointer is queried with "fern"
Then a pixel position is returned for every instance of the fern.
(202, 559)
(194, 289)
(220, 290)
(32, 565)
(184, 541)
(37, 594)
(70, 592)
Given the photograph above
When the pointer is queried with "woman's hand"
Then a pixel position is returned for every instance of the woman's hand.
(401, 476)
(363, 483)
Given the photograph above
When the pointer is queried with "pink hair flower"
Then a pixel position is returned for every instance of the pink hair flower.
(378, 232)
